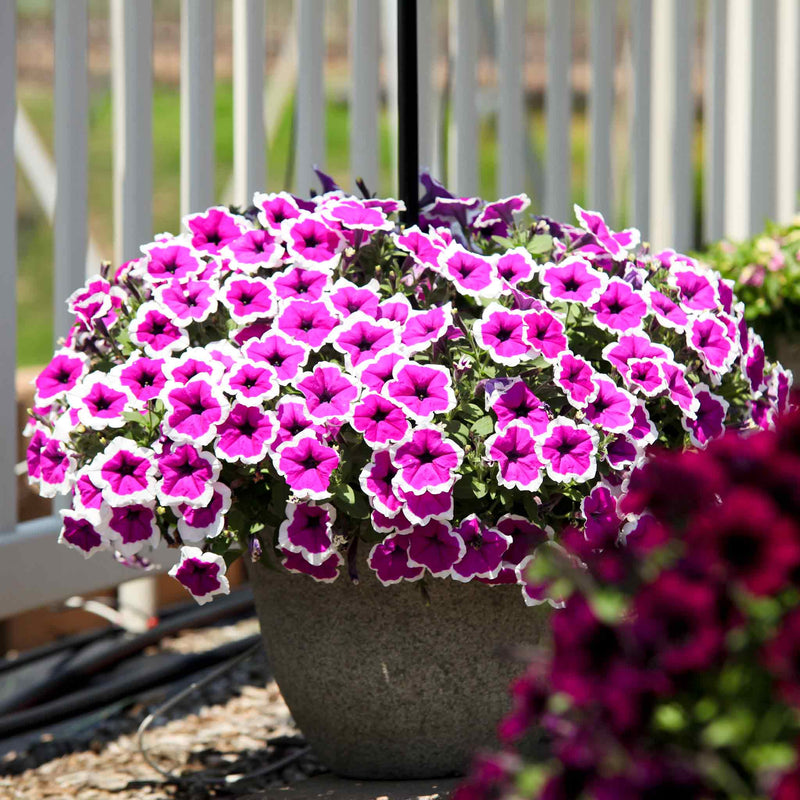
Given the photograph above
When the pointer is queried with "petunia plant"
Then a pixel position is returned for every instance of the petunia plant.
(306, 378)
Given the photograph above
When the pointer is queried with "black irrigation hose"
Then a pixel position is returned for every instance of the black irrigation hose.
(121, 687)
(100, 655)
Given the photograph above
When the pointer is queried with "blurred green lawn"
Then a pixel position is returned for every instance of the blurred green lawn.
(35, 245)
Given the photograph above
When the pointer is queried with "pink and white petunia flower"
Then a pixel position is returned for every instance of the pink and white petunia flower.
(484, 552)
(574, 279)
(435, 546)
(610, 407)
(698, 291)
(499, 216)
(356, 215)
(214, 228)
(709, 421)
(423, 328)
(361, 338)
(377, 482)
(389, 561)
(308, 530)
(100, 401)
(379, 420)
(421, 508)
(251, 381)
(516, 266)
(203, 574)
(515, 401)
(427, 461)
(193, 363)
(678, 389)
(308, 322)
(623, 452)
(568, 451)
(165, 262)
(390, 523)
(376, 374)
(708, 337)
(132, 528)
(246, 434)
(199, 524)
(300, 282)
(423, 248)
(254, 250)
(644, 431)
(633, 345)
(307, 465)
(619, 308)
(524, 536)
(645, 375)
(422, 389)
(602, 519)
(518, 461)
(188, 475)
(473, 275)
(87, 498)
(248, 299)
(312, 242)
(80, 533)
(666, 311)
(124, 472)
(55, 468)
(544, 332)
(157, 333)
(275, 209)
(143, 378)
(275, 349)
(394, 309)
(616, 245)
(61, 375)
(329, 393)
(187, 302)
(501, 333)
(194, 410)
(326, 572)
(575, 376)
(293, 419)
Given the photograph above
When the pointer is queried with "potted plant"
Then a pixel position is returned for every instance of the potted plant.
(766, 271)
(387, 420)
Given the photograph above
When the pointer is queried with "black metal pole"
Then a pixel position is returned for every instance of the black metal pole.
(407, 109)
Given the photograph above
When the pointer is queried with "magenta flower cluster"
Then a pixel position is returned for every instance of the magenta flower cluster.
(307, 374)
(675, 664)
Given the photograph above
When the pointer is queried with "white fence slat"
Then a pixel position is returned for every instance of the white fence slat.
(462, 172)
(788, 111)
(511, 123)
(601, 105)
(197, 105)
(249, 50)
(641, 37)
(132, 102)
(671, 207)
(714, 121)
(430, 138)
(365, 90)
(71, 89)
(310, 98)
(8, 273)
(558, 172)
(388, 24)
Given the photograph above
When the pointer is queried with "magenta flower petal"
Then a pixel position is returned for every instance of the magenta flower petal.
(435, 546)
(472, 275)
(286, 357)
(302, 283)
(168, 261)
(142, 377)
(326, 572)
(308, 530)
(313, 243)
(568, 451)
(307, 465)
(202, 574)
(248, 299)
(60, 376)
(132, 528)
(188, 476)
(153, 330)
(389, 561)
(610, 407)
(211, 230)
(307, 322)
(377, 482)
(484, 551)
(194, 411)
(361, 339)
(187, 302)
(573, 279)
(632, 345)
(125, 473)
(678, 389)
(709, 422)
(252, 381)
(501, 332)
(246, 434)
(376, 374)
(100, 401)
(524, 536)
(544, 332)
(698, 292)
(421, 508)
(199, 524)
(667, 312)
(255, 250)
(427, 461)
(329, 392)
(645, 375)
(619, 308)
(514, 451)
(575, 376)
(602, 519)
(708, 337)
(615, 244)
(80, 534)
(275, 209)
(517, 402)
(379, 420)
(422, 389)
(423, 328)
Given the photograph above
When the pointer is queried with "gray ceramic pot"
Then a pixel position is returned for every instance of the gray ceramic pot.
(386, 683)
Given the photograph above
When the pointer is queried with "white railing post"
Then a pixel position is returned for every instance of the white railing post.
(462, 171)
(364, 91)
(558, 173)
(641, 36)
(249, 49)
(714, 121)
(430, 138)
(388, 23)
(8, 273)
(672, 198)
(310, 98)
(71, 88)
(601, 106)
(512, 122)
(787, 89)
(197, 105)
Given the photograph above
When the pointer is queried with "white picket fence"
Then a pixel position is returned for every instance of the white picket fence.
(749, 99)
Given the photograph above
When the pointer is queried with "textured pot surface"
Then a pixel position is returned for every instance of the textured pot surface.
(385, 683)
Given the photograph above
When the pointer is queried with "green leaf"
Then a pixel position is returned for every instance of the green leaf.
(539, 244)
(484, 426)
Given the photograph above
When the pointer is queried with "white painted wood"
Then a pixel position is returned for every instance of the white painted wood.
(310, 99)
(364, 91)
(714, 121)
(249, 46)
(462, 169)
(601, 105)
(671, 206)
(70, 127)
(23, 552)
(641, 39)
(388, 25)
(512, 121)
(197, 105)
(558, 99)
(430, 134)
(8, 273)
(132, 102)
(788, 110)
